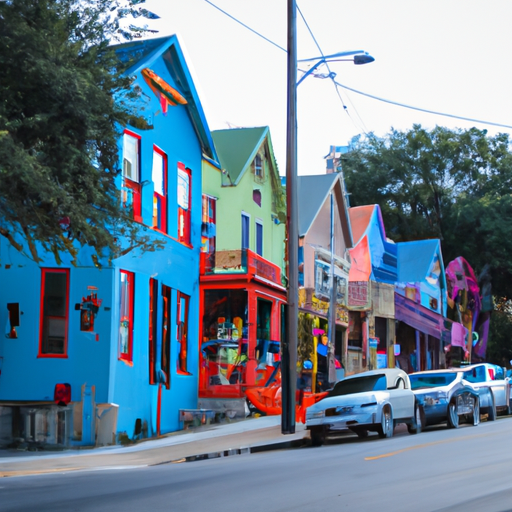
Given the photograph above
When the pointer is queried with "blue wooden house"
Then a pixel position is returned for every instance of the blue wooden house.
(93, 355)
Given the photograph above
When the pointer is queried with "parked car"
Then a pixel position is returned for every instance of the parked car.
(445, 396)
(376, 400)
(492, 385)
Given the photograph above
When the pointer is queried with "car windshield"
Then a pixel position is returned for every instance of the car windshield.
(359, 385)
(425, 380)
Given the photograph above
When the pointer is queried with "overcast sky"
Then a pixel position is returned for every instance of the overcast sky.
(450, 56)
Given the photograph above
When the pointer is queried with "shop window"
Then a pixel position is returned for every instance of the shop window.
(153, 312)
(355, 332)
(259, 237)
(184, 187)
(264, 314)
(126, 294)
(245, 230)
(166, 335)
(182, 332)
(54, 313)
(225, 330)
(131, 189)
(159, 176)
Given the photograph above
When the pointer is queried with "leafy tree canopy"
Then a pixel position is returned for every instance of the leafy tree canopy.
(454, 185)
(63, 100)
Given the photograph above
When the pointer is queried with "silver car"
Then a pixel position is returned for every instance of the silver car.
(444, 396)
(494, 389)
(370, 401)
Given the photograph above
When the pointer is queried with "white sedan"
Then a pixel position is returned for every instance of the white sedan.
(370, 401)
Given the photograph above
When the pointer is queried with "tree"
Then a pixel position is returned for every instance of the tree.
(63, 101)
(449, 184)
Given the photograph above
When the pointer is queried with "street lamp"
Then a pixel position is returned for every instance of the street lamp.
(359, 57)
(289, 343)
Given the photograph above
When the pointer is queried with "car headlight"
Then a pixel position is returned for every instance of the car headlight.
(435, 398)
(311, 415)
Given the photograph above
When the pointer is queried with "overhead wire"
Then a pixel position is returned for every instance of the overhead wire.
(331, 75)
(346, 87)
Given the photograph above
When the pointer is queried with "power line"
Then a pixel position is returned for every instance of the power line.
(246, 26)
(332, 75)
(346, 87)
(422, 109)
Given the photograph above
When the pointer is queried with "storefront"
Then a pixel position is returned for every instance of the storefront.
(418, 336)
(241, 310)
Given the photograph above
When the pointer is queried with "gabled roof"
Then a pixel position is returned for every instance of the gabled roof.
(312, 192)
(368, 226)
(144, 53)
(237, 148)
(415, 259)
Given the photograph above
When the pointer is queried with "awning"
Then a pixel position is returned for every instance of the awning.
(418, 316)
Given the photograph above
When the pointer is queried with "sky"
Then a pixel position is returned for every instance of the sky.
(448, 56)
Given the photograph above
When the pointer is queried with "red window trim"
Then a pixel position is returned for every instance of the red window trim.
(153, 301)
(41, 314)
(183, 342)
(185, 214)
(162, 199)
(128, 357)
(165, 349)
(135, 186)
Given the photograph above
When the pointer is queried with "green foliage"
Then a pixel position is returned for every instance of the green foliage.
(499, 346)
(60, 126)
(448, 184)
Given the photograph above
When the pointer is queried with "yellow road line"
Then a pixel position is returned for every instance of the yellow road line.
(424, 445)
(27, 472)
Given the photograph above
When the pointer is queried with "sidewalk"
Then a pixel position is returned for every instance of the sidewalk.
(241, 437)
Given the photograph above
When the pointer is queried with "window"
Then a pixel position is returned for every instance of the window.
(166, 335)
(245, 230)
(184, 177)
(258, 167)
(126, 289)
(159, 177)
(54, 313)
(153, 312)
(259, 237)
(182, 332)
(131, 190)
(208, 231)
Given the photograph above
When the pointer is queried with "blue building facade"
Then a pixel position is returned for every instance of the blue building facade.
(106, 353)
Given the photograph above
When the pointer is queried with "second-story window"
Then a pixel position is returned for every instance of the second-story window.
(245, 230)
(184, 186)
(131, 191)
(259, 237)
(208, 230)
(159, 176)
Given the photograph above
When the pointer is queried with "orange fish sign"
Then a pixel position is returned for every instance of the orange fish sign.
(166, 94)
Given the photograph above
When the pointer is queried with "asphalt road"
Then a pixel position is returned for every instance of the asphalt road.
(469, 469)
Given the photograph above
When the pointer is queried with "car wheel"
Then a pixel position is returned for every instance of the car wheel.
(417, 426)
(475, 417)
(317, 436)
(386, 424)
(491, 412)
(453, 417)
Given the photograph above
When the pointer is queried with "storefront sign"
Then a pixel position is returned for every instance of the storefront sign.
(359, 295)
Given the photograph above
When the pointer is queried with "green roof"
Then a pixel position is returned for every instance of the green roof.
(237, 147)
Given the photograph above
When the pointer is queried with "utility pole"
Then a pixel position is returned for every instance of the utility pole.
(289, 344)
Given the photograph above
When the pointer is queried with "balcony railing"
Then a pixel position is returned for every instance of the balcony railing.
(239, 261)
